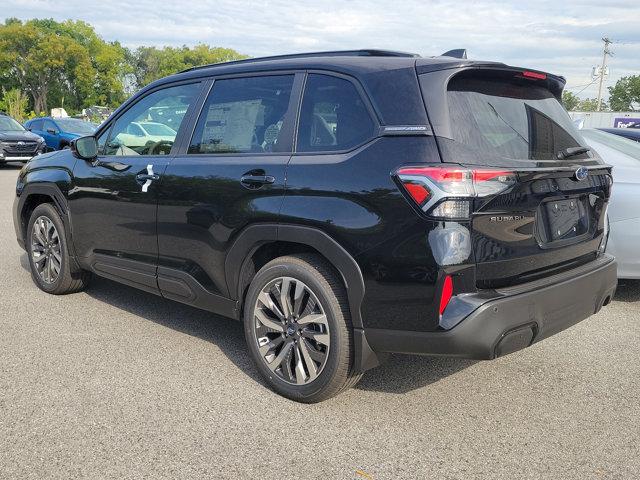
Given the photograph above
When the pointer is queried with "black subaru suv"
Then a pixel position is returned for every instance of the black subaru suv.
(17, 144)
(342, 205)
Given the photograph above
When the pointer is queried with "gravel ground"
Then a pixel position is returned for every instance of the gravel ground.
(117, 383)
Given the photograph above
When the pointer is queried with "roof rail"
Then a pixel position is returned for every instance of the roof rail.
(336, 53)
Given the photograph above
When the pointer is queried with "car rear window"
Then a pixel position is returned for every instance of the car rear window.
(506, 117)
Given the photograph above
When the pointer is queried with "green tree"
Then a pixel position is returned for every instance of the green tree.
(151, 63)
(15, 103)
(61, 64)
(625, 94)
(38, 60)
(570, 100)
(590, 105)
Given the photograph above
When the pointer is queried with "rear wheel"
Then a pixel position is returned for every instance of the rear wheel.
(51, 266)
(298, 328)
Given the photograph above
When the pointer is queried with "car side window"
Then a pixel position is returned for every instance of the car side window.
(49, 127)
(36, 125)
(243, 115)
(333, 116)
(151, 125)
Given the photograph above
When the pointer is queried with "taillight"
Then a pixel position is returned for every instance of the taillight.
(448, 192)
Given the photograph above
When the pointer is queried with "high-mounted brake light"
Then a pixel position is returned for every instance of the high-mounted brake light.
(536, 75)
(447, 192)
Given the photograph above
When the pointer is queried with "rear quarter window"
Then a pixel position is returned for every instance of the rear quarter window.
(333, 116)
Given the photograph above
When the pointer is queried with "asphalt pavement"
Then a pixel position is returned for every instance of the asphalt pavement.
(118, 383)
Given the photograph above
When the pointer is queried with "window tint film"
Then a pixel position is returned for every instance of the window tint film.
(506, 118)
(243, 115)
(333, 116)
(151, 125)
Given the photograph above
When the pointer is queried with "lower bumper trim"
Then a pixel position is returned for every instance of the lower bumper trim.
(511, 322)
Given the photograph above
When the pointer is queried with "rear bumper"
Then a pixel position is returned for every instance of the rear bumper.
(520, 317)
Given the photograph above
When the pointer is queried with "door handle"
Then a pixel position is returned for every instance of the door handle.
(143, 177)
(147, 178)
(256, 181)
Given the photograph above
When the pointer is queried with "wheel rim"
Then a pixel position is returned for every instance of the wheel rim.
(46, 249)
(291, 331)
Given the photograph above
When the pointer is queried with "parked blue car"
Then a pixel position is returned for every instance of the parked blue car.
(59, 132)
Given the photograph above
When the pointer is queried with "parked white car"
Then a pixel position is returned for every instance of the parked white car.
(141, 134)
(624, 206)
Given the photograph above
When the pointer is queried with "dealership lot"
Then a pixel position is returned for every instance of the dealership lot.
(115, 382)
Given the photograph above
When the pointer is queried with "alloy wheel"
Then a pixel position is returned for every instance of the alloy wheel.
(291, 330)
(46, 249)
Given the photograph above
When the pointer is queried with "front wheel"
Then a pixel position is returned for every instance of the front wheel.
(51, 266)
(298, 328)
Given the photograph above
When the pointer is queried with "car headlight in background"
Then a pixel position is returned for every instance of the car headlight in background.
(41, 145)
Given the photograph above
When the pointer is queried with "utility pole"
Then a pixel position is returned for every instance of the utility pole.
(605, 52)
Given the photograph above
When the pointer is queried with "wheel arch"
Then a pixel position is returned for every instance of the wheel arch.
(240, 266)
(287, 239)
(37, 193)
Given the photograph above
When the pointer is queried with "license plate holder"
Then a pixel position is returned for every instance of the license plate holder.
(565, 219)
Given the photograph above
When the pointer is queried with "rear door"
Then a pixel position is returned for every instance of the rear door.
(540, 198)
(229, 174)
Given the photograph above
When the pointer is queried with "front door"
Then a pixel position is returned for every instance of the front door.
(229, 175)
(114, 200)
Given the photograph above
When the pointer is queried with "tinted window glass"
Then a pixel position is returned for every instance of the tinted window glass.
(74, 125)
(508, 118)
(243, 115)
(49, 125)
(36, 125)
(333, 116)
(164, 110)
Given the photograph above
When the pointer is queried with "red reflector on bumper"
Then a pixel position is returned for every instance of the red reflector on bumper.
(447, 293)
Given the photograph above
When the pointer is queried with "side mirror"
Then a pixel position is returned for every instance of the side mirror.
(85, 148)
(51, 131)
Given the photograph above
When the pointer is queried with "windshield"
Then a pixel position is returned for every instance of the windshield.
(506, 118)
(73, 125)
(8, 124)
(621, 144)
(158, 129)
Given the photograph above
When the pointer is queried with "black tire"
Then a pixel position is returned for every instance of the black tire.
(336, 374)
(70, 279)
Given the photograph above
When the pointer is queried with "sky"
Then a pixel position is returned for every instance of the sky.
(561, 37)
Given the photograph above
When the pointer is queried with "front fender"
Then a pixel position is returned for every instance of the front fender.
(42, 180)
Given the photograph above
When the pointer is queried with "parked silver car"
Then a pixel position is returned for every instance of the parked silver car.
(624, 206)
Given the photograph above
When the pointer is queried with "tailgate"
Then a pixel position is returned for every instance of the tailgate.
(547, 223)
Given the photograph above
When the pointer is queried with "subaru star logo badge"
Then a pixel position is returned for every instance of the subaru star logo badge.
(581, 174)
(21, 143)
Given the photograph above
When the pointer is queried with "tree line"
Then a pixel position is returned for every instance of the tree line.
(624, 96)
(45, 63)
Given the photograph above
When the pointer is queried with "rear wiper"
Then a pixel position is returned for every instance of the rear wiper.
(572, 152)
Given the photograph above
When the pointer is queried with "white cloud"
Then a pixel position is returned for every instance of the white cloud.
(560, 37)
